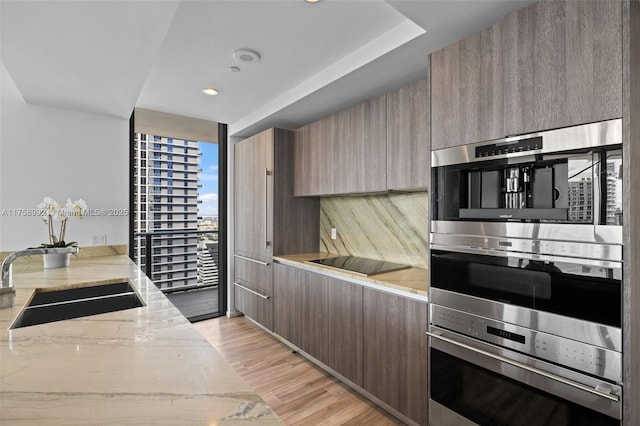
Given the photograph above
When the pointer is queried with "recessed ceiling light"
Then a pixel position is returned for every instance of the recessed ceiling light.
(234, 69)
(246, 56)
(210, 91)
(312, 1)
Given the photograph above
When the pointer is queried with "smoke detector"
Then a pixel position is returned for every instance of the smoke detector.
(246, 56)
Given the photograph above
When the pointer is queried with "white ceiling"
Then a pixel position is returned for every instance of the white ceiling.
(107, 57)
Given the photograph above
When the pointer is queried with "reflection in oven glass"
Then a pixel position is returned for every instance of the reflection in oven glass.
(487, 398)
(579, 291)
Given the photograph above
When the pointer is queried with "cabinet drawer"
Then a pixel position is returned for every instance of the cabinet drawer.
(254, 274)
(254, 304)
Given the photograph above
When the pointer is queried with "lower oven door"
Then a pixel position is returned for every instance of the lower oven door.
(473, 383)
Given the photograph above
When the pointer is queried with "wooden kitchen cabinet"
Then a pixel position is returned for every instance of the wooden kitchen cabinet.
(378, 145)
(562, 64)
(322, 316)
(395, 352)
(314, 157)
(345, 329)
(254, 304)
(409, 136)
(288, 312)
(466, 85)
(253, 289)
(375, 339)
(253, 196)
(344, 153)
(269, 219)
(365, 166)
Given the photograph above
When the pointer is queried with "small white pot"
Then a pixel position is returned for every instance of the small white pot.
(56, 260)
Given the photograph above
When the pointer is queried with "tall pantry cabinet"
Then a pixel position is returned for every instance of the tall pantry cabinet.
(268, 221)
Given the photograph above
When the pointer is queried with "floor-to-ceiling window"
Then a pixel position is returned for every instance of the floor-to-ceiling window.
(175, 224)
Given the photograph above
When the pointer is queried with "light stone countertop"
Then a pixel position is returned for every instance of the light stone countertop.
(141, 366)
(410, 282)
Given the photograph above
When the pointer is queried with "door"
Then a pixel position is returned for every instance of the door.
(253, 196)
(178, 231)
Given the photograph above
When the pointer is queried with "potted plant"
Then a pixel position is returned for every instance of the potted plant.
(55, 216)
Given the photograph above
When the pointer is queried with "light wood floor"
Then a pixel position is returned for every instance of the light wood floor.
(299, 392)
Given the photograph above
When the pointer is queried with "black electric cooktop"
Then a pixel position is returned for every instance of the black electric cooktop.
(359, 265)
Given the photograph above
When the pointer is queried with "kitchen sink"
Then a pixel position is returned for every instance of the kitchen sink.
(58, 305)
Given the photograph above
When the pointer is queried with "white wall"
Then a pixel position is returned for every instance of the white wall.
(60, 153)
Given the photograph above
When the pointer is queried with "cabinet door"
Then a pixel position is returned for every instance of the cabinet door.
(322, 316)
(314, 158)
(288, 314)
(395, 352)
(341, 174)
(408, 136)
(303, 163)
(345, 329)
(253, 196)
(365, 168)
(315, 308)
(466, 84)
(562, 64)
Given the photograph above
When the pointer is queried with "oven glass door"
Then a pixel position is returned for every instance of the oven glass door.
(575, 290)
(487, 398)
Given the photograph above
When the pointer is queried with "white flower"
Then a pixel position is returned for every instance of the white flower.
(50, 209)
(75, 208)
(51, 212)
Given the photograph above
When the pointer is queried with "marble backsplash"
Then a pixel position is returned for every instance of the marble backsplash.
(391, 227)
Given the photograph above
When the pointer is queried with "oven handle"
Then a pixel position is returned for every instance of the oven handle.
(613, 264)
(526, 367)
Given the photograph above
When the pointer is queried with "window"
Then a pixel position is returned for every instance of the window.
(156, 209)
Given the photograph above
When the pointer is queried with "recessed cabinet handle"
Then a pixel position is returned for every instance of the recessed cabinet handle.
(595, 391)
(267, 173)
(251, 260)
(252, 291)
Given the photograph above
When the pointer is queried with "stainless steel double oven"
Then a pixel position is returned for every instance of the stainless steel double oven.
(525, 290)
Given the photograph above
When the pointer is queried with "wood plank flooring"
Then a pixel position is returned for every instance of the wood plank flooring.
(299, 392)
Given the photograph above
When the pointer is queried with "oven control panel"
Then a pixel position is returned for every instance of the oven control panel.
(580, 356)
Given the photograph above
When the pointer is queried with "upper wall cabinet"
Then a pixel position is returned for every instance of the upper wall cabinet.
(313, 157)
(408, 136)
(466, 84)
(343, 153)
(378, 145)
(562, 64)
(363, 168)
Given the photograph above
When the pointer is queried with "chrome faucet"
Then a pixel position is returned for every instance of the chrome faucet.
(7, 290)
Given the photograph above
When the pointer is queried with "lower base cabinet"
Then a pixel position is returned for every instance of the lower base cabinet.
(255, 304)
(396, 353)
(322, 316)
(375, 339)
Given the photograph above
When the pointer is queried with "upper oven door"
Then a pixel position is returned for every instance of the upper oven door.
(569, 287)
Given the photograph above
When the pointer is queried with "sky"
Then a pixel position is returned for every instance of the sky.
(208, 179)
